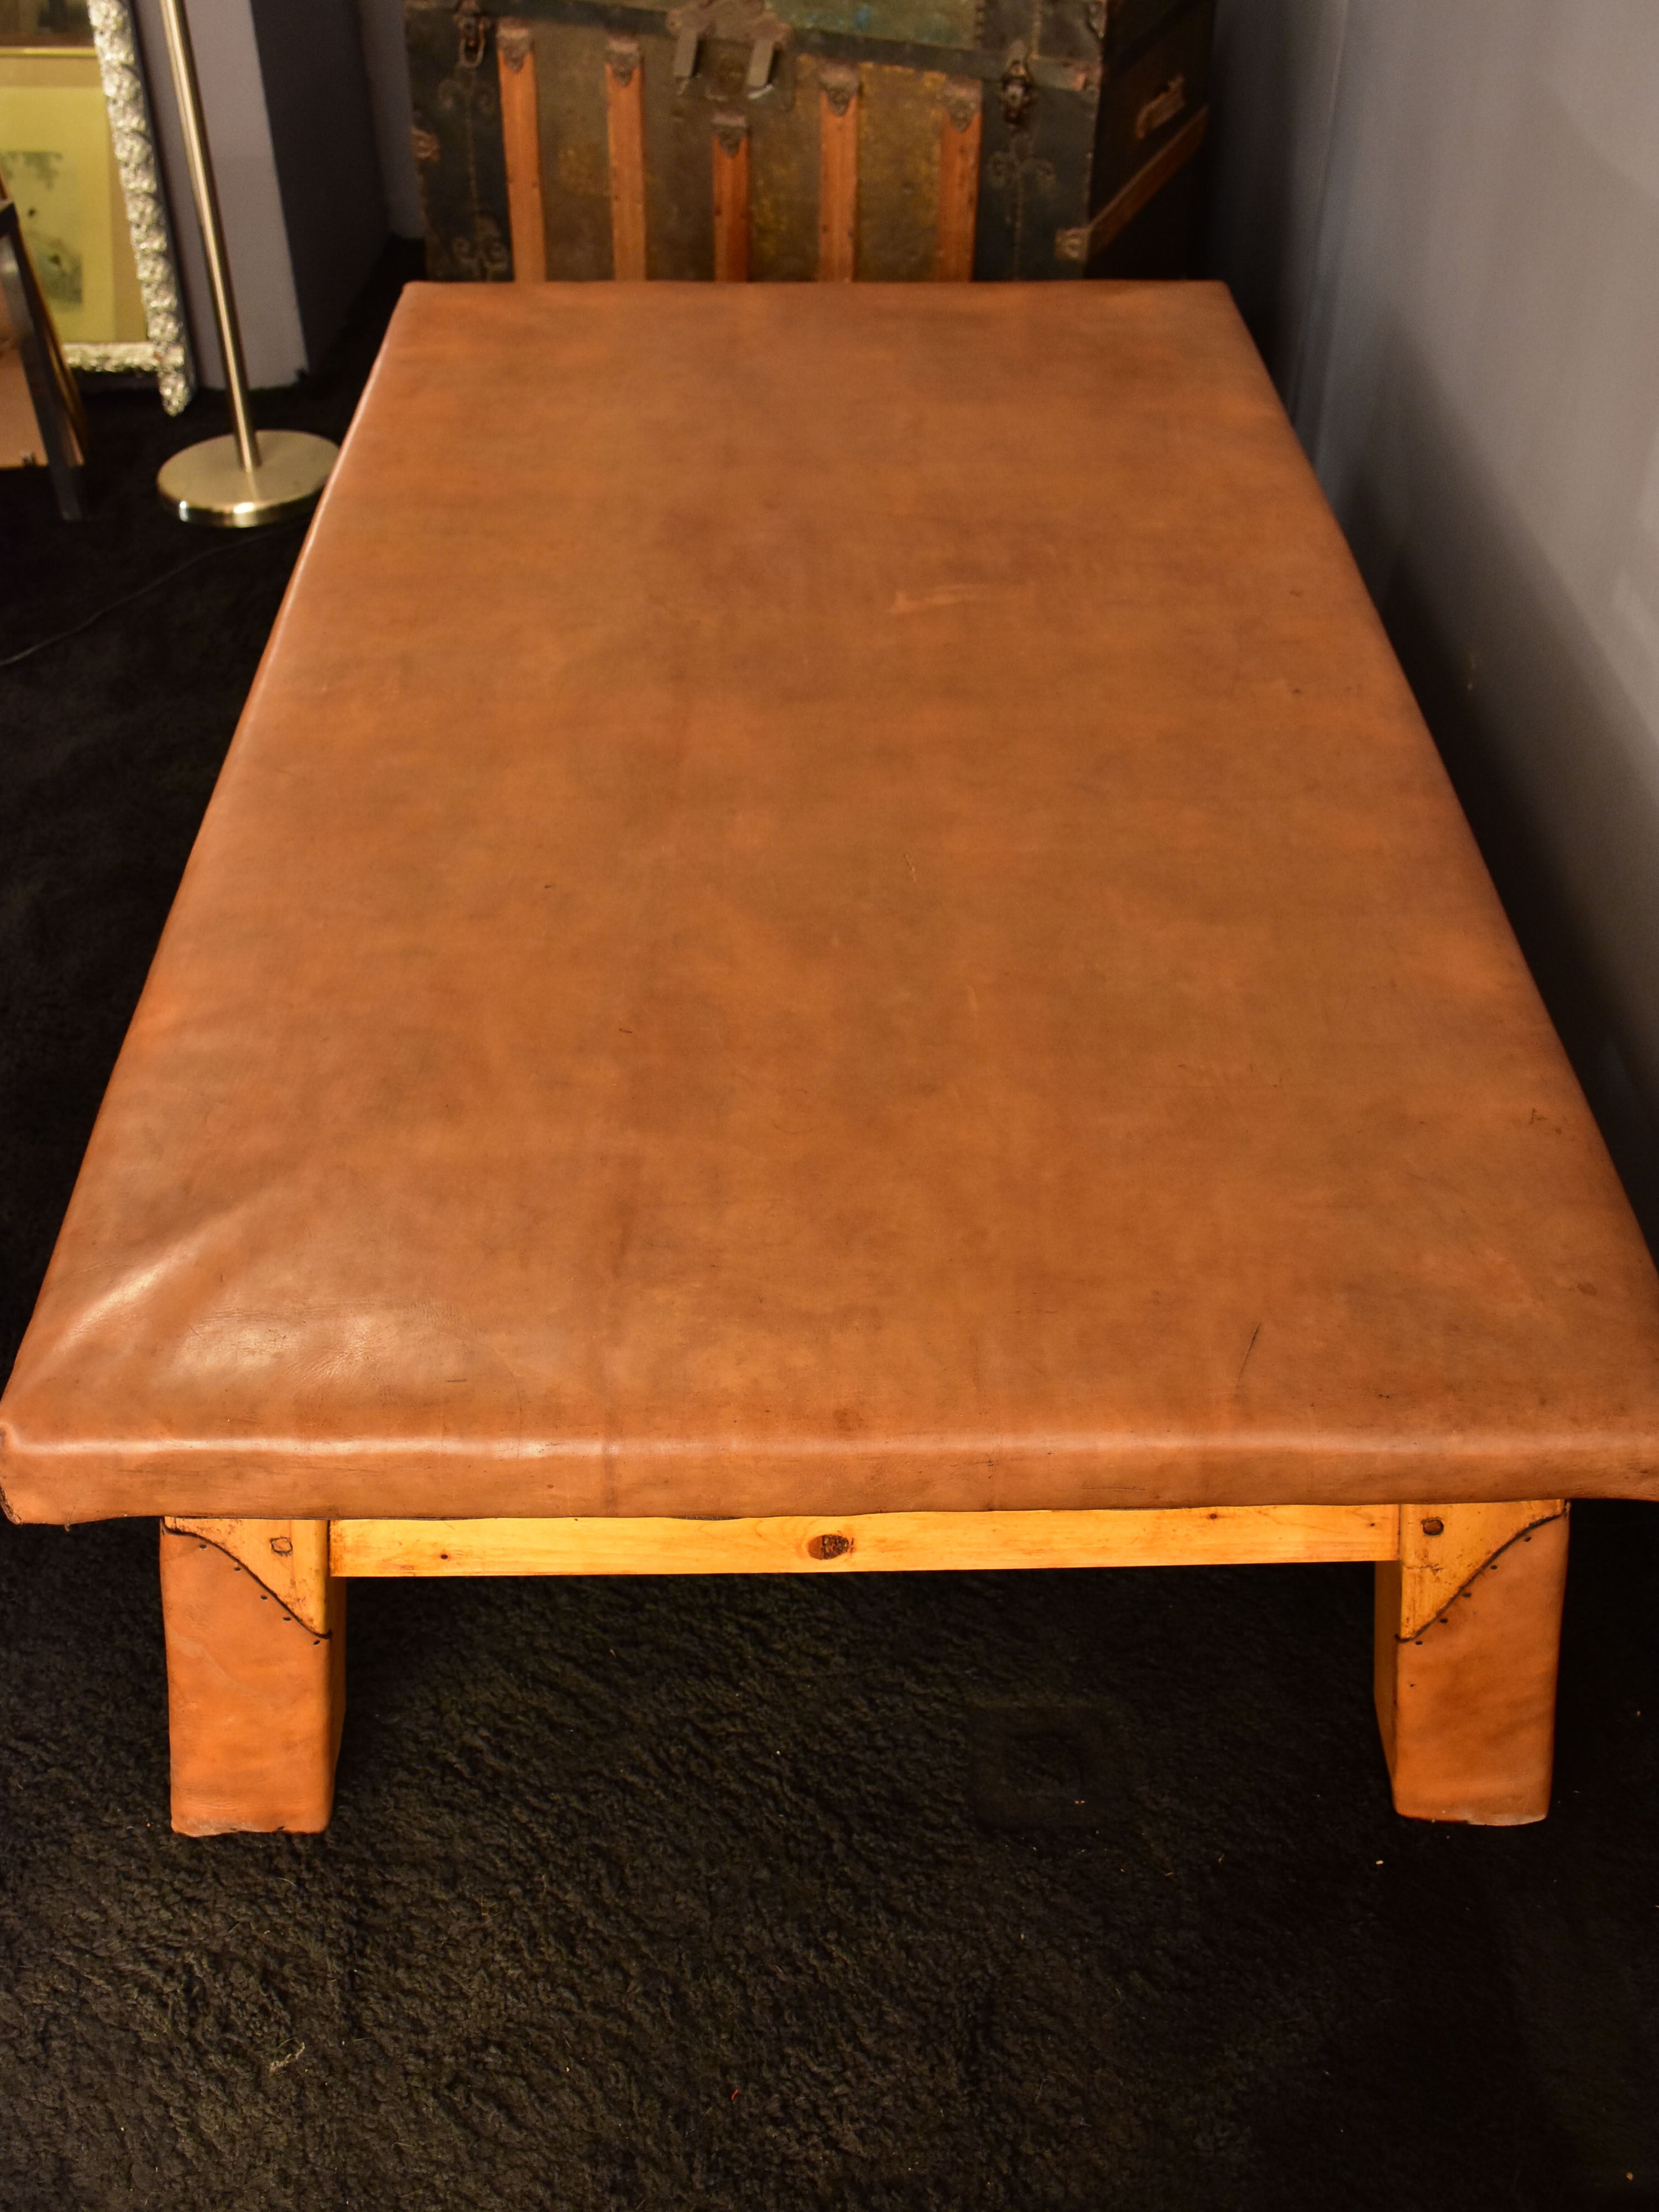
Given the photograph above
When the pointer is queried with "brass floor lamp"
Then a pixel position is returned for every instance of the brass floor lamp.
(252, 476)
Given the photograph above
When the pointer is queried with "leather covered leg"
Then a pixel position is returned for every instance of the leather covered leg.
(1468, 1630)
(256, 1649)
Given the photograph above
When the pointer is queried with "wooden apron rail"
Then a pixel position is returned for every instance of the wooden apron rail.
(1467, 1611)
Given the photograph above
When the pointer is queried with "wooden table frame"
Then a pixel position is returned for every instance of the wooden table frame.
(1469, 1611)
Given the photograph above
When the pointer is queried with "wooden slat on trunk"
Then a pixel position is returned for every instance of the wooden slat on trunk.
(515, 56)
(838, 173)
(960, 133)
(731, 155)
(624, 84)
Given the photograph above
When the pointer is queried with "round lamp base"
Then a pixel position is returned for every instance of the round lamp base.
(208, 483)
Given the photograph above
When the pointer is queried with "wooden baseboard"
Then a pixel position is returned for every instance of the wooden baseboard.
(1221, 1535)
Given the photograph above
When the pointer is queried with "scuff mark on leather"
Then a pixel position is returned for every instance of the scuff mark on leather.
(1249, 1349)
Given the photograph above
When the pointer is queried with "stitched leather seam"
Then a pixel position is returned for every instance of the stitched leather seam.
(1519, 1535)
(323, 1635)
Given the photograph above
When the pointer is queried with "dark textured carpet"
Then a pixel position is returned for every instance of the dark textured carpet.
(734, 1893)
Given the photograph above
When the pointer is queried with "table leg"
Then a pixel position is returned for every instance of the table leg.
(1468, 1627)
(256, 1686)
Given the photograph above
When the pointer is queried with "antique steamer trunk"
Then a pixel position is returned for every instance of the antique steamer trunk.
(803, 139)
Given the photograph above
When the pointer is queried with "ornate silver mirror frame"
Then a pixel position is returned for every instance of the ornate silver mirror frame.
(165, 354)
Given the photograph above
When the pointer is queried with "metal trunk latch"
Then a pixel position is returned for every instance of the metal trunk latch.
(471, 32)
(735, 22)
(1019, 88)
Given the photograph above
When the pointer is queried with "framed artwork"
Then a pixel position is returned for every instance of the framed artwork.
(59, 163)
(77, 156)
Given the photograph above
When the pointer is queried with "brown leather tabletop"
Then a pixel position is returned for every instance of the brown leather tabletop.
(828, 899)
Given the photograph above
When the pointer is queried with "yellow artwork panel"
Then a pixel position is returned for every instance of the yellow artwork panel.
(58, 165)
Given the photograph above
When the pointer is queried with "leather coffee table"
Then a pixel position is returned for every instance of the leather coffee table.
(831, 942)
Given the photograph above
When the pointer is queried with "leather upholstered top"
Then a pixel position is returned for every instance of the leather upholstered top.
(829, 898)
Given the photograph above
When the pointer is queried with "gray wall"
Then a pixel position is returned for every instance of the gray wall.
(250, 198)
(286, 93)
(1441, 219)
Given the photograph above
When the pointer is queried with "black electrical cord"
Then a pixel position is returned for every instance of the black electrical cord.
(213, 553)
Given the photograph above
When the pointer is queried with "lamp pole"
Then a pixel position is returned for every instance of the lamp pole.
(249, 478)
